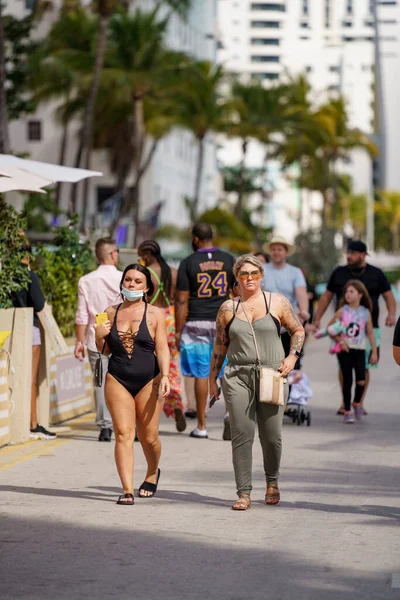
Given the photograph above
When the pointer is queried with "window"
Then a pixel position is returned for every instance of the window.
(270, 59)
(304, 8)
(30, 4)
(334, 69)
(265, 41)
(267, 6)
(327, 13)
(34, 131)
(388, 21)
(388, 2)
(266, 24)
(308, 69)
(349, 8)
(270, 76)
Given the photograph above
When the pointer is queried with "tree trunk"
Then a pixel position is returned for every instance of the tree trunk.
(4, 135)
(238, 210)
(88, 115)
(74, 189)
(324, 212)
(334, 196)
(139, 145)
(128, 203)
(61, 160)
(194, 208)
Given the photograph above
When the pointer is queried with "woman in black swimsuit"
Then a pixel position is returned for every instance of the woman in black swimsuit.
(138, 377)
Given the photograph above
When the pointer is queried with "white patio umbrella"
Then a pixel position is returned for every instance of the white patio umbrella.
(17, 179)
(47, 171)
(10, 184)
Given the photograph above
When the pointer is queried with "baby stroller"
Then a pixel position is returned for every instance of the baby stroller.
(300, 392)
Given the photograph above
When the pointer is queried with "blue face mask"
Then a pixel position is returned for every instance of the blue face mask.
(132, 295)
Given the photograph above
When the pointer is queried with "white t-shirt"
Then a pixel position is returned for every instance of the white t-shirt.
(283, 281)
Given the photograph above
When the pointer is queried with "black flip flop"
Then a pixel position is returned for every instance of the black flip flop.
(127, 502)
(149, 487)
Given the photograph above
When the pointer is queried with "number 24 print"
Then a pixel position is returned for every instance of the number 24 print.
(219, 283)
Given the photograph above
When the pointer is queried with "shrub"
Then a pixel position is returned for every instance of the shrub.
(14, 275)
(60, 269)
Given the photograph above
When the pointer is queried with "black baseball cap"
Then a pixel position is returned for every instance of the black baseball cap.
(357, 246)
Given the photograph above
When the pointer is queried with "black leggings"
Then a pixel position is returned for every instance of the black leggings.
(349, 361)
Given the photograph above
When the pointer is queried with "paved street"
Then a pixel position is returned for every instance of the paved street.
(334, 536)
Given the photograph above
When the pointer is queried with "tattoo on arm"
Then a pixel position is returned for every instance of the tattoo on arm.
(291, 322)
(222, 337)
(297, 341)
(217, 362)
(221, 342)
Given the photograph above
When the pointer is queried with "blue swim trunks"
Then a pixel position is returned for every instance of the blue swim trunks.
(197, 343)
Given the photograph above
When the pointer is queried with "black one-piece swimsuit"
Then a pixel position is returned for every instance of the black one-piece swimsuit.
(134, 364)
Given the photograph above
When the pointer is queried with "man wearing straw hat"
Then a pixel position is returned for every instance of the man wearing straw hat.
(285, 279)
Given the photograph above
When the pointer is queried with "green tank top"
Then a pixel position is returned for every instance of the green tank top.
(160, 289)
(242, 352)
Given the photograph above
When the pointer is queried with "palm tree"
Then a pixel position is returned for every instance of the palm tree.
(134, 76)
(324, 140)
(254, 108)
(104, 10)
(59, 66)
(389, 210)
(201, 109)
(338, 140)
(115, 131)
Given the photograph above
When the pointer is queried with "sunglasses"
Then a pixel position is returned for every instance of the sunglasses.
(243, 275)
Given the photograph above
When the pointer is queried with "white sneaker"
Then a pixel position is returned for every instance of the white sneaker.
(199, 433)
(348, 418)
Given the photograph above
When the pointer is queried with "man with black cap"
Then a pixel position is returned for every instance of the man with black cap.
(376, 283)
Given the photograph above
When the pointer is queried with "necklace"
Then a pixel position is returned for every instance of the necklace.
(249, 306)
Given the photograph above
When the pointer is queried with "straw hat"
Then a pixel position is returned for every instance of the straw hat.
(279, 239)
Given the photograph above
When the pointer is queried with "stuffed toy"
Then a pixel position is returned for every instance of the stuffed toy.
(335, 329)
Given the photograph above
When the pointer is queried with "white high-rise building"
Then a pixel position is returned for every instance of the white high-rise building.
(333, 43)
(171, 176)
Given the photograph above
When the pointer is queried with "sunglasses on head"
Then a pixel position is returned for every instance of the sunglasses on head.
(243, 275)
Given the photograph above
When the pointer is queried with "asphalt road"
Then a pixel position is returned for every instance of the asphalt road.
(334, 536)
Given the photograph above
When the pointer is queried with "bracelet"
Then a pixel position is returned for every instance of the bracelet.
(167, 376)
(78, 342)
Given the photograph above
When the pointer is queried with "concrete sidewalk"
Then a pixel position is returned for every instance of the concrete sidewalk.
(333, 536)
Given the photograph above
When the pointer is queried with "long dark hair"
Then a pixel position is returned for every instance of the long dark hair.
(154, 249)
(146, 273)
(361, 289)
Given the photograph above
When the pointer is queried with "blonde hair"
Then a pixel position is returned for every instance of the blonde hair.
(247, 258)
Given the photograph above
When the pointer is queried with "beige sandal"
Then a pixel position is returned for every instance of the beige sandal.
(242, 503)
(273, 494)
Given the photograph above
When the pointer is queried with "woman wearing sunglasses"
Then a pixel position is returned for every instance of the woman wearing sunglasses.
(267, 312)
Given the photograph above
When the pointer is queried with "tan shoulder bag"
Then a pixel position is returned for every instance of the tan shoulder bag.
(270, 382)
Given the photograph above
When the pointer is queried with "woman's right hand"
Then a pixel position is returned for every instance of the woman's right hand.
(102, 330)
(214, 389)
(344, 346)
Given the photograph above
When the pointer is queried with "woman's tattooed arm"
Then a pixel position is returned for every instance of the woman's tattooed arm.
(291, 323)
(221, 339)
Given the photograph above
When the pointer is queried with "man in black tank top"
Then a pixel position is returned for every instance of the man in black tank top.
(205, 280)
